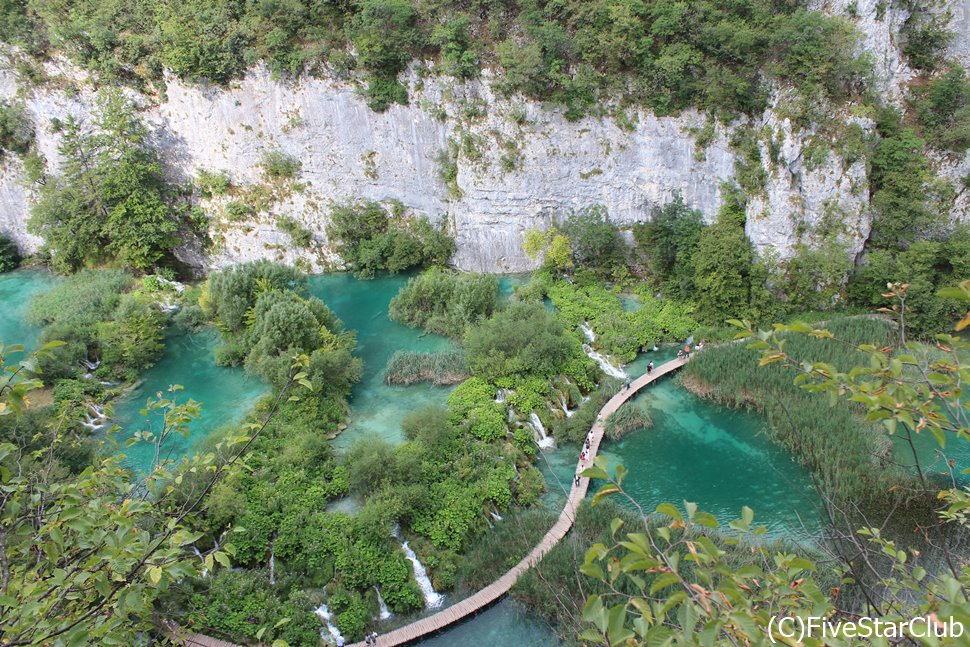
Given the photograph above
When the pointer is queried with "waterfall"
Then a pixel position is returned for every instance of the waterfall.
(205, 571)
(272, 564)
(496, 515)
(543, 440)
(565, 406)
(324, 614)
(94, 417)
(604, 363)
(385, 612)
(501, 396)
(88, 364)
(432, 599)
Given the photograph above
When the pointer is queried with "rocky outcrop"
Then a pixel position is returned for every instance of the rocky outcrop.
(519, 163)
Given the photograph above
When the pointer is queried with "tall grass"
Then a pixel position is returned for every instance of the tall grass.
(626, 419)
(409, 367)
(849, 457)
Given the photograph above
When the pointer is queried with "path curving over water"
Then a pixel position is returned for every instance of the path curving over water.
(501, 586)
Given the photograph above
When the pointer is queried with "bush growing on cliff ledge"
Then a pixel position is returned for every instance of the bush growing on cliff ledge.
(370, 239)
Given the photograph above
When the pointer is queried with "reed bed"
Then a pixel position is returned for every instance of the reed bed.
(441, 368)
(627, 419)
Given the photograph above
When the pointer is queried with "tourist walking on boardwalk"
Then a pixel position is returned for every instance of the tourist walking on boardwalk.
(680, 353)
(649, 368)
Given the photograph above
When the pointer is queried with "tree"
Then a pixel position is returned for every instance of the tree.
(551, 246)
(722, 265)
(521, 340)
(595, 241)
(670, 241)
(112, 202)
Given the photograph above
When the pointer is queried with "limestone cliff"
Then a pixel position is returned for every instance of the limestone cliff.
(519, 163)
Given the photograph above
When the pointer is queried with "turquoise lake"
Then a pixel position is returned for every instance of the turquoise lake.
(695, 450)
(16, 290)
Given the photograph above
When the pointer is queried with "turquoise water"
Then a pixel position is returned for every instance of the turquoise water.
(933, 459)
(226, 395)
(716, 457)
(504, 625)
(16, 291)
(362, 305)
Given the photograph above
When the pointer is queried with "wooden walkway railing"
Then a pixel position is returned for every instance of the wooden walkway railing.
(497, 589)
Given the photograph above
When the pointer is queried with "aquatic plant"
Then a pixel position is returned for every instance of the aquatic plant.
(409, 367)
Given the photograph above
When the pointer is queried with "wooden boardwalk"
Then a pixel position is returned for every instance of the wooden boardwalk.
(497, 589)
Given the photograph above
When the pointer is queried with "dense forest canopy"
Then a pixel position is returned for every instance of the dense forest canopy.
(713, 54)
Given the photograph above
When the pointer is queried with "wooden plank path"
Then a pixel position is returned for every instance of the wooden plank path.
(500, 587)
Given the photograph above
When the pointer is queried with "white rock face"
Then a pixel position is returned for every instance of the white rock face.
(521, 164)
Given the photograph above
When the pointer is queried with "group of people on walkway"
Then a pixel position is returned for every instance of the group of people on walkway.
(371, 638)
(684, 353)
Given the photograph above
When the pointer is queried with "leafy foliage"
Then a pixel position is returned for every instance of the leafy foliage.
(445, 302)
(943, 110)
(112, 203)
(9, 254)
(668, 56)
(101, 318)
(669, 241)
(370, 239)
(16, 129)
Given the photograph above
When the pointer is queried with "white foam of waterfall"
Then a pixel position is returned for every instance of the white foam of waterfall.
(565, 406)
(94, 417)
(323, 611)
(272, 565)
(501, 396)
(604, 363)
(543, 439)
(88, 364)
(205, 571)
(432, 599)
(385, 613)
(496, 515)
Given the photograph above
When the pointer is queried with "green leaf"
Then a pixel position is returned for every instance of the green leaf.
(670, 511)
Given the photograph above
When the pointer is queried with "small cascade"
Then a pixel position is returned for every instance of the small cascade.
(272, 561)
(432, 599)
(495, 515)
(205, 571)
(597, 357)
(323, 612)
(385, 613)
(501, 396)
(565, 406)
(543, 439)
(88, 364)
(604, 363)
(94, 417)
(511, 414)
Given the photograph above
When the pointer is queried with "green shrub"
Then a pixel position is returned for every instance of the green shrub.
(9, 254)
(445, 302)
(300, 235)
(370, 239)
(16, 129)
(943, 110)
(522, 340)
(277, 165)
